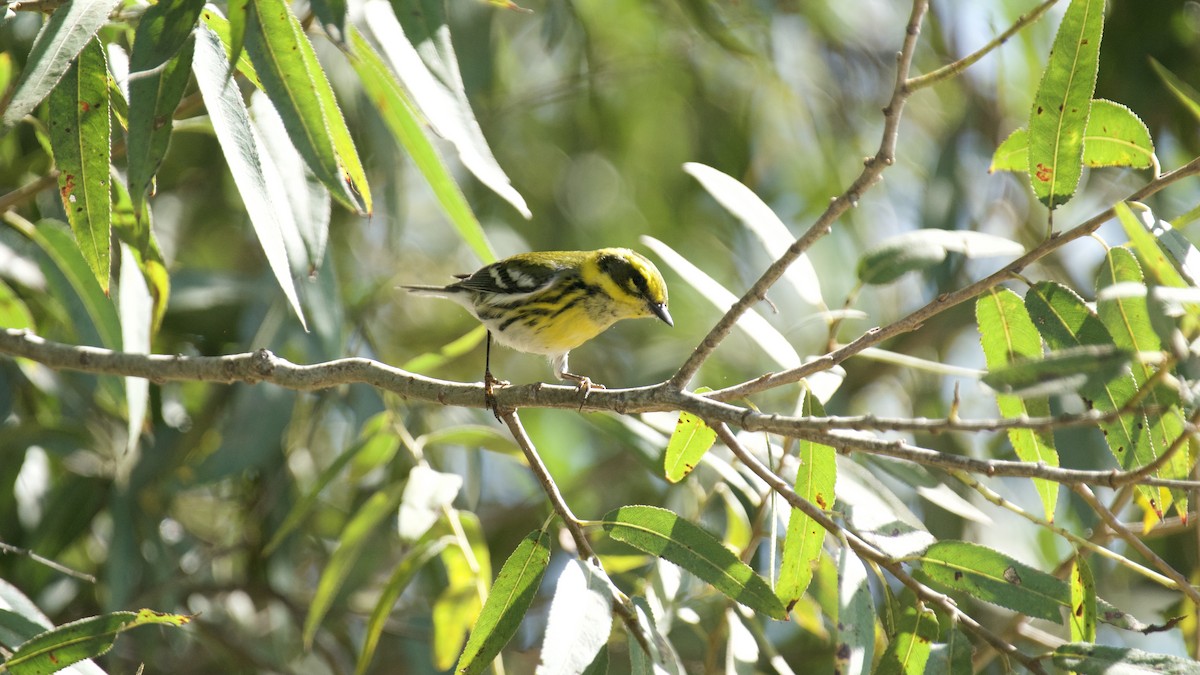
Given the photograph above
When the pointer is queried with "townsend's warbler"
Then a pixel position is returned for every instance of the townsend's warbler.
(551, 302)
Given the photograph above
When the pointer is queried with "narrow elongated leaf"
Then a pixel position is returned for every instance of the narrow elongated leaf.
(950, 657)
(815, 481)
(751, 323)
(1083, 602)
(689, 442)
(58, 243)
(579, 623)
(921, 249)
(1128, 320)
(1065, 322)
(856, 616)
(1007, 335)
(227, 32)
(138, 234)
(231, 123)
(1062, 103)
(13, 311)
(309, 200)
(136, 307)
(457, 607)
(1090, 659)
(354, 538)
(746, 206)
(65, 34)
(662, 659)
(511, 595)
(1069, 370)
(441, 97)
(159, 68)
(1151, 250)
(993, 577)
(80, 135)
(373, 430)
(296, 84)
(664, 534)
(1114, 136)
(402, 575)
(1186, 95)
(83, 639)
(908, 652)
(400, 116)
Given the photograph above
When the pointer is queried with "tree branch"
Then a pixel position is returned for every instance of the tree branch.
(945, 301)
(871, 174)
(263, 366)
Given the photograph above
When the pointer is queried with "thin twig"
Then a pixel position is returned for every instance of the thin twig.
(621, 605)
(56, 566)
(951, 69)
(1138, 545)
(945, 301)
(865, 550)
(871, 174)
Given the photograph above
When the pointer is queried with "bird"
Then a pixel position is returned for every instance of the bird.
(550, 302)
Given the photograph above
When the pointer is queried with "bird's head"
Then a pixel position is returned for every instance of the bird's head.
(631, 279)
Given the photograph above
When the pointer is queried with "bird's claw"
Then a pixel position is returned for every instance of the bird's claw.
(585, 387)
(490, 382)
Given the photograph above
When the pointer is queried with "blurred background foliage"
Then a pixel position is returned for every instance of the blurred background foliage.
(591, 107)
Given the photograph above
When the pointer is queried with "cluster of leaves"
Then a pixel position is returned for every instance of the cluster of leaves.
(354, 459)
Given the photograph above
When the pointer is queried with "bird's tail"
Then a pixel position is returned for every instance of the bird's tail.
(435, 291)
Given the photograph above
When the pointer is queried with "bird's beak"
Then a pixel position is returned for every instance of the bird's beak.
(660, 310)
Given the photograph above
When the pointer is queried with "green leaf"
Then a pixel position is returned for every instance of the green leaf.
(1128, 320)
(815, 480)
(1188, 96)
(922, 249)
(295, 82)
(64, 36)
(355, 537)
(1062, 103)
(13, 311)
(58, 243)
(374, 431)
(239, 24)
(80, 136)
(138, 234)
(664, 534)
(511, 595)
(908, 651)
(457, 607)
(1008, 337)
(1069, 370)
(1114, 136)
(231, 122)
(159, 68)
(400, 116)
(988, 575)
(580, 619)
(1066, 322)
(1083, 602)
(1013, 153)
(855, 649)
(743, 204)
(689, 442)
(403, 574)
(1090, 659)
(226, 32)
(83, 639)
(422, 56)
(1159, 263)
(952, 656)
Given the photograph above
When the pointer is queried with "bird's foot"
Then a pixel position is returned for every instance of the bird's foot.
(585, 386)
(490, 382)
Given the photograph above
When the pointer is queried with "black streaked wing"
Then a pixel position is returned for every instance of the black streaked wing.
(509, 281)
